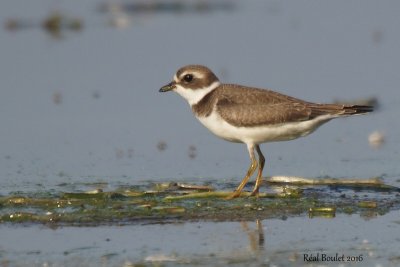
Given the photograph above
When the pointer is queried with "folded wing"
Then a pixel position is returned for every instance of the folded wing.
(276, 108)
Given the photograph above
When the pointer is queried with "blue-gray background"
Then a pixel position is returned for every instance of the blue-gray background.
(111, 117)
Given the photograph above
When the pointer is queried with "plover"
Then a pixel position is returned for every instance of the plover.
(251, 116)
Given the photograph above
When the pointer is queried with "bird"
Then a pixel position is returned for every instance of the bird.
(252, 116)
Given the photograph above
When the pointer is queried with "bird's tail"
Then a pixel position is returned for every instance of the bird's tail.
(340, 110)
(357, 109)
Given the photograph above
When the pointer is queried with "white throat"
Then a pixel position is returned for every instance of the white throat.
(194, 96)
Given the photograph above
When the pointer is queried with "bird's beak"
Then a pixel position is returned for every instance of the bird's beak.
(168, 87)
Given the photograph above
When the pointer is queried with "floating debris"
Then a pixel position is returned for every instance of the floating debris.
(161, 145)
(376, 139)
(194, 187)
(14, 24)
(192, 153)
(322, 181)
(326, 212)
(374, 183)
(160, 258)
(227, 194)
(55, 23)
(169, 209)
(119, 20)
(57, 98)
(173, 186)
(322, 209)
(368, 204)
(154, 7)
(95, 191)
(121, 153)
(17, 200)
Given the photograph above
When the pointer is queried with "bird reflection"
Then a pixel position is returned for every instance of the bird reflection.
(256, 236)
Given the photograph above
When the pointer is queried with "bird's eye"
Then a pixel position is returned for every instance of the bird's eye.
(188, 78)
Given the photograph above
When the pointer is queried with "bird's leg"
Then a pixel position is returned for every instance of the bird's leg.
(261, 160)
(250, 171)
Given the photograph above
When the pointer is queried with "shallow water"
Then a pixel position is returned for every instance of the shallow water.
(83, 108)
(97, 131)
(275, 242)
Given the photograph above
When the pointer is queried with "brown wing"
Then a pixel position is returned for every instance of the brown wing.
(260, 114)
(246, 106)
(250, 95)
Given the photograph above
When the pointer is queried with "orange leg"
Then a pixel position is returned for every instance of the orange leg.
(250, 171)
(261, 160)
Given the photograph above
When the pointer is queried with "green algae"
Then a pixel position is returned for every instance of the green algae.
(170, 202)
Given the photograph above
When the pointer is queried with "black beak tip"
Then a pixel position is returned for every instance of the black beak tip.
(167, 87)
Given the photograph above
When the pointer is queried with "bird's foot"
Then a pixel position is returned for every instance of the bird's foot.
(255, 193)
(235, 194)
